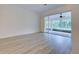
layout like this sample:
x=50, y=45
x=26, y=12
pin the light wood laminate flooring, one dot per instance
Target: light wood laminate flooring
x=37, y=43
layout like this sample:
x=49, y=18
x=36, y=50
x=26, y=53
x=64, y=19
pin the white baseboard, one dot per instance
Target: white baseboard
x=14, y=35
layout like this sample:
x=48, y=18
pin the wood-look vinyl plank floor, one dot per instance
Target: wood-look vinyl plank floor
x=37, y=43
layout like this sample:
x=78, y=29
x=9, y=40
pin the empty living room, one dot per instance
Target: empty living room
x=39, y=28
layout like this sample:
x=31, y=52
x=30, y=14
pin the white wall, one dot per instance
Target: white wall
x=75, y=23
x=17, y=21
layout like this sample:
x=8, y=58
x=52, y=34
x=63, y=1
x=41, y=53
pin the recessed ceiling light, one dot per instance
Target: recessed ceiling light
x=61, y=15
x=45, y=4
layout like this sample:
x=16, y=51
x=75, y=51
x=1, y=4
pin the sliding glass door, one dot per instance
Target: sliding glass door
x=58, y=22
x=46, y=24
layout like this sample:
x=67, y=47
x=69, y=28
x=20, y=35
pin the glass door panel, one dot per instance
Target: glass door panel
x=46, y=24
x=58, y=23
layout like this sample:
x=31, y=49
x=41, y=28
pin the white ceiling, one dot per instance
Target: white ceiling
x=39, y=7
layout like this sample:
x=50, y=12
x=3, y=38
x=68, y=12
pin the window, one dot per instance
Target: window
x=58, y=22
